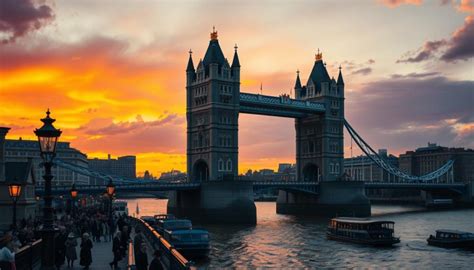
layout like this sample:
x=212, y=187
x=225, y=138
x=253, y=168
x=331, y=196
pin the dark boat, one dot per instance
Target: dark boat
x=362, y=231
x=452, y=239
x=192, y=243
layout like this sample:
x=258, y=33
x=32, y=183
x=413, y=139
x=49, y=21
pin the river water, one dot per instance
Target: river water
x=280, y=241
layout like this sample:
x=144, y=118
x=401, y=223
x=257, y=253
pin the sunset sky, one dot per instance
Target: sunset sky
x=113, y=71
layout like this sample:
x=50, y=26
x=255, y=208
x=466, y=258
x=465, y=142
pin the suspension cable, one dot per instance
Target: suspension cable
x=381, y=162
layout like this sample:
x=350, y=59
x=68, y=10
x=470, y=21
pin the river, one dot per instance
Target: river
x=280, y=241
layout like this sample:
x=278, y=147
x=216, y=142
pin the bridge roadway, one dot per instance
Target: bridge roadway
x=307, y=187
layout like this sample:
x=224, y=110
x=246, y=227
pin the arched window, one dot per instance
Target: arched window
x=229, y=165
x=220, y=165
x=337, y=167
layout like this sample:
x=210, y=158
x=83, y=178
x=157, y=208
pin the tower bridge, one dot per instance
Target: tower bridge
x=215, y=193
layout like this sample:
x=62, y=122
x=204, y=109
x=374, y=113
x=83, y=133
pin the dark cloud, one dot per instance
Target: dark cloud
x=362, y=71
x=415, y=75
x=425, y=53
x=18, y=17
x=458, y=47
x=406, y=112
x=461, y=45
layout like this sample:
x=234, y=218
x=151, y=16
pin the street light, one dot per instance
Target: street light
x=110, y=190
x=74, y=193
x=48, y=137
x=14, y=188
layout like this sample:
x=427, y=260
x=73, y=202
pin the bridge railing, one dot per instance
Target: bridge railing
x=29, y=256
x=171, y=258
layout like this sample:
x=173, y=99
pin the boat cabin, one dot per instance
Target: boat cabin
x=173, y=224
x=362, y=227
x=453, y=234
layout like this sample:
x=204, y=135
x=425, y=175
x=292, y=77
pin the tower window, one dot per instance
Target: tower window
x=220, y=165
x=229, y=165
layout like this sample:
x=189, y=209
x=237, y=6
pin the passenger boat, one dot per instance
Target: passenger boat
x=172, y=224
x=452, y=239
x=192, y=243
x=362, y=231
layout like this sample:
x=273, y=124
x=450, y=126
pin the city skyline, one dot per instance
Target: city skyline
x=121, y=91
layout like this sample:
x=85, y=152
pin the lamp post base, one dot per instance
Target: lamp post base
x=48, y=249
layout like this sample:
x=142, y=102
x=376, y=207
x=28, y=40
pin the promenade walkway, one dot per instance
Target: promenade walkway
x=101, y=257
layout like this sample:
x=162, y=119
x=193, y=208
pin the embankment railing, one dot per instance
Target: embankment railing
x=171, y=257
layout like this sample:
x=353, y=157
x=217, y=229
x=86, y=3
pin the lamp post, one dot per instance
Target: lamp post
x=48, y=137
x=74, y=193
x=14, y=188
x=110, y=190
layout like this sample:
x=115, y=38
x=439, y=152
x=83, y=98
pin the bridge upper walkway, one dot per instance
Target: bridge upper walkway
x=282, y=106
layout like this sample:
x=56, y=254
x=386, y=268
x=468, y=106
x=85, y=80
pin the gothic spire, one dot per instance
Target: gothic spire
x=298, y=82
x=340, y=81
x=235, y=61
x=190, y=67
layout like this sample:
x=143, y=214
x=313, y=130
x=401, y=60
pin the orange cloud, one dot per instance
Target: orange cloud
x=466, y=6
x=396, y=3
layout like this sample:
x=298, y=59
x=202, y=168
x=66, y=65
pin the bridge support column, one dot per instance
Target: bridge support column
x=336, y=198
x=216, y=202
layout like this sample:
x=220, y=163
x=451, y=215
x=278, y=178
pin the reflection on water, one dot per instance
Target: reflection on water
x=280, y=241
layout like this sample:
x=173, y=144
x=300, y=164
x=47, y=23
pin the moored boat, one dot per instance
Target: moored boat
x=362, y=231
x=192, y=243
x=452, y=239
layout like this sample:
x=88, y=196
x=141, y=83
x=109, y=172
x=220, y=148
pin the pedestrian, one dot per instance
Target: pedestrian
x=141, y=258
x=112, y=228
x=124, y=238
x=7, y=252
x=71, y=254
x=137, y=240
x=105, y=230
x=60, y=248
x=156, y=262
x=86, y=254
x=116, y=250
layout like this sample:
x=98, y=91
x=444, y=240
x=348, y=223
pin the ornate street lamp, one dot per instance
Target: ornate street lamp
x=110, y=190
x=48, y=137
x=74, y=193
x=14, y=188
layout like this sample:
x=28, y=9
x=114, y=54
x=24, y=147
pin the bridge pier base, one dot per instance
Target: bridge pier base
x=336, y=198
x=215, y=202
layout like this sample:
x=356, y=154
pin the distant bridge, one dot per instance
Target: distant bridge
x=305, y=187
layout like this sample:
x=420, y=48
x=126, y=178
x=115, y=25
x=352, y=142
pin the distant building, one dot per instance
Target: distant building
x=286, y=172
x=428, y=159
x=363, y=168
x=15, y=171
x=20, y=150
x=148, y=176
x=123, y=167
x=173, y=175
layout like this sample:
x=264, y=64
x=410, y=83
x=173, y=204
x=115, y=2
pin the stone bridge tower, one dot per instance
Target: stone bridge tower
x=212, y=92
x=319, y=138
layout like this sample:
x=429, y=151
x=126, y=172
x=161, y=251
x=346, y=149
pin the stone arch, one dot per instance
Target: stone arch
x=311, y=172
x=200, y=171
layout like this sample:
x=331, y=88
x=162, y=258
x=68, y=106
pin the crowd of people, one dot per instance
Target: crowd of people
x=87, y=226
